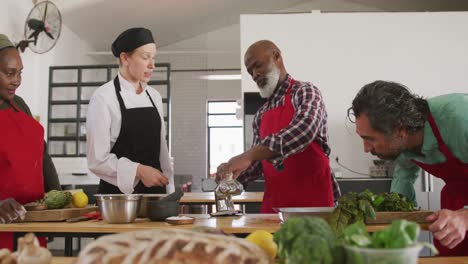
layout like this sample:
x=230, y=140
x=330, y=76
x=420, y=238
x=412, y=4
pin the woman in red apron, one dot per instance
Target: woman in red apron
x=21, y=146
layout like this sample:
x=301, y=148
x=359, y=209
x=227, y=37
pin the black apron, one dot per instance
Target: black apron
x=139, y=140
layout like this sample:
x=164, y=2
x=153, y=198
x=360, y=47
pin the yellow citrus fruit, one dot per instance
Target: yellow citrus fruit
x=264, y=240
x=80, y=200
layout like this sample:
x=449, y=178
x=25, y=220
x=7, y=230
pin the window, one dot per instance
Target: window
x=225, y=133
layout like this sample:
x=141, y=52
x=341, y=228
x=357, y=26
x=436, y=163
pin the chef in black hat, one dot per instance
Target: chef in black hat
x=126, y=139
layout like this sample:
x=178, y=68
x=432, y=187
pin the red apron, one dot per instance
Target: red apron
x=21, y=159
x=305, y=180
x=454, y=194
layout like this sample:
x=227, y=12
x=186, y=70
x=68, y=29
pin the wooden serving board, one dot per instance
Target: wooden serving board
x=388, y=217
x=57, y=214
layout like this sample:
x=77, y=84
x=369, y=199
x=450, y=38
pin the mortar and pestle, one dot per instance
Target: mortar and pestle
x=159, y=210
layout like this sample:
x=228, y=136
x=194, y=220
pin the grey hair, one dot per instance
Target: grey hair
x=390, y=106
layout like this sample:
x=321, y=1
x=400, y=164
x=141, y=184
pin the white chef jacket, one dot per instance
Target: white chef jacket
x=103, y=127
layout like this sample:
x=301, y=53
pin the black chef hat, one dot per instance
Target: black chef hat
x=131, y=39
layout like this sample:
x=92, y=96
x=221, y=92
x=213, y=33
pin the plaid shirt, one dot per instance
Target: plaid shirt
x=308, y=124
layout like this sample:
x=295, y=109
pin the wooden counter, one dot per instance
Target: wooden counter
x=443, y=260
x=63, y=260
x=244, y=224
x=433, y=260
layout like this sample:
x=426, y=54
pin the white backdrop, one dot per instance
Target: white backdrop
x=341, y=52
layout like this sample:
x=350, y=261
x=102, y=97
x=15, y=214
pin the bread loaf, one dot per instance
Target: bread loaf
x=171, y=246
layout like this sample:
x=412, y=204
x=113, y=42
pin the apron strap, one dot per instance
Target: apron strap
x=13, y=106
x=443, y=148
x=151, y=99
x=119, y=97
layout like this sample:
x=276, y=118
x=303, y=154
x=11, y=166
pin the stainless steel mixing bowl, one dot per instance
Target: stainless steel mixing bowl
x=118, y=208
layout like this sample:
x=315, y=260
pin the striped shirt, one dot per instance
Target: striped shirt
x=309, y=124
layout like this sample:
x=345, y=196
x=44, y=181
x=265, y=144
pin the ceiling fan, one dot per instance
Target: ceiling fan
x=42, y=28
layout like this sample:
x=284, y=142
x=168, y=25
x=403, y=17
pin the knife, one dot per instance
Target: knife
x=88, y=216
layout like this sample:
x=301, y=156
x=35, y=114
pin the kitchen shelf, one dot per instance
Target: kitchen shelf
x=71, y=87
x=68, y=102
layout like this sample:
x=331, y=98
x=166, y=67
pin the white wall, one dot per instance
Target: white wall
x=340, y=52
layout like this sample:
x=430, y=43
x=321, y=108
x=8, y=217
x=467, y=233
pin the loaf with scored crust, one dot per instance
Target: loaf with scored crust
x=171, y=246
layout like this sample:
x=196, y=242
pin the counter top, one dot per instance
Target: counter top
x=69, y=179
x=444, y=260
x=244, y=224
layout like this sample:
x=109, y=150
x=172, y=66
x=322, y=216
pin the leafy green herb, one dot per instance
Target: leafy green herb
x=400, y=234
x=393, y=202
x=353, y=207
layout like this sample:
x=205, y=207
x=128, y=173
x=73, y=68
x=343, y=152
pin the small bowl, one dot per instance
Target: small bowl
x=180, y=220
x=160, y=210
x=143, y=212
x=288, y=212
x=118, y=208
x=408, y=255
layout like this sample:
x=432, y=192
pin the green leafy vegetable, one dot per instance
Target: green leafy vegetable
x=400, y=234
x=354, y=207
x=394, y=202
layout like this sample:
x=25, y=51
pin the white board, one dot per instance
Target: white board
x=341, y=52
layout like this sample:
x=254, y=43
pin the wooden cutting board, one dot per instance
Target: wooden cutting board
x=388, y=217
x=57, y=214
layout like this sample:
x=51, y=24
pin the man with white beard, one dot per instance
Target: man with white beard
x=290, y=145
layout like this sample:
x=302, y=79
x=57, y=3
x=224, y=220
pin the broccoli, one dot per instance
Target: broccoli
x=308, y=249
x=305, y=240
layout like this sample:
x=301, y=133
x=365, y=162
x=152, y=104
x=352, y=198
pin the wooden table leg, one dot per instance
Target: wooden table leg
x=68, y=246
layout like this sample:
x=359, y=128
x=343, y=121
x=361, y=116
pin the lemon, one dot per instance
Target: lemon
x=80, y=200
x=264, y=240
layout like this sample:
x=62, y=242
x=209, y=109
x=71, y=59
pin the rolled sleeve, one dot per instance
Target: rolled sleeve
x=253, y=173
x=126, y=171
x=274, y=143
x=404, y=177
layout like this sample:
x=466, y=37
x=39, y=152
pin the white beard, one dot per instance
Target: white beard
x=272, y=81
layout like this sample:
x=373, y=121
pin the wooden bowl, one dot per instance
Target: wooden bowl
x=180, y=220
x=35, y=206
